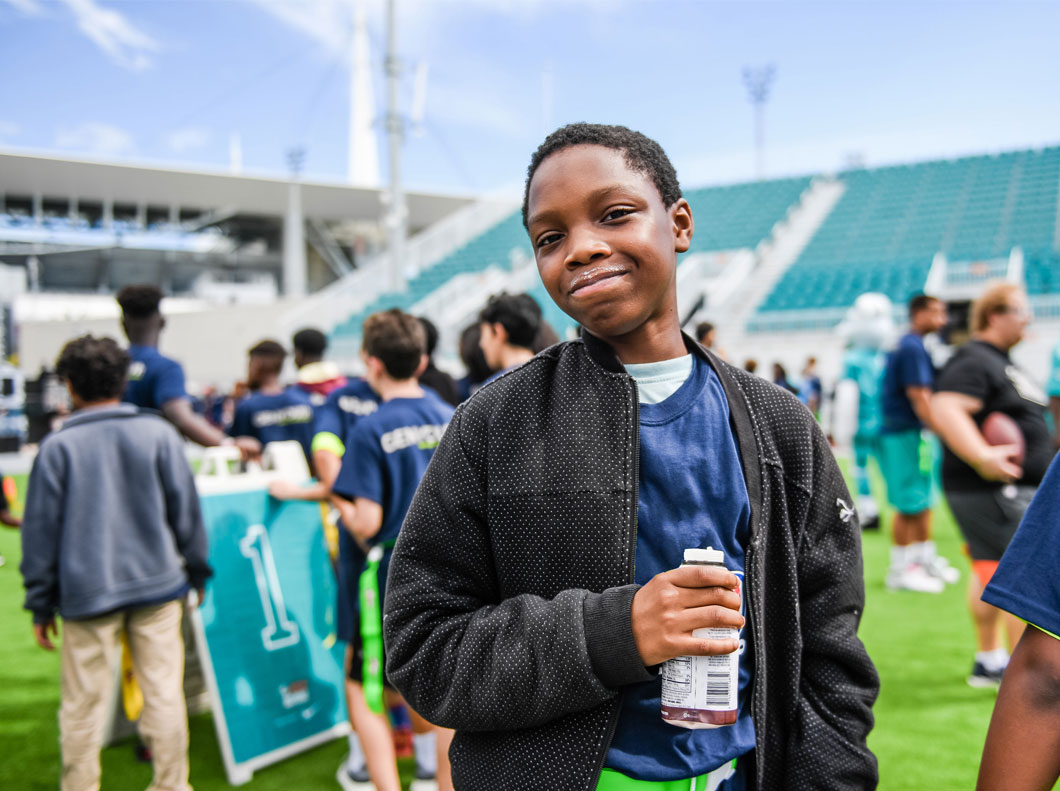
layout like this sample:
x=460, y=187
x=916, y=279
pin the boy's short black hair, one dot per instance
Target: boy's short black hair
x=268, y=348
x=642, y=154
x=95, y=367
x=703, y=328
x=519, y=314
x=920, y=302
x=397, y=339
x=139, y=301
x=431, y=332
x=310, y=341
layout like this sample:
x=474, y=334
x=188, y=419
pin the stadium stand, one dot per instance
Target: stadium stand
x=891, y=221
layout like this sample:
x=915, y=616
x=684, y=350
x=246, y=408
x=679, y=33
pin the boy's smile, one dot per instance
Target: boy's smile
x=606, y=248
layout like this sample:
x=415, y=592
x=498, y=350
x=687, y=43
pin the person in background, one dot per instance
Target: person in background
x=317, y=377
x=7, y=518
x=433, y=377
x=1022, y=750
x=272, y=413
x=509, y=324
x=750, y=365
x=780, y=378
x=386, y=455
x=478, y=370
x=157, y=382
x=706, y=334
x=809, y=389
x=113, y=540
x=987, y=488
x=546, y=336
x=906, y=456
x=1053, y=390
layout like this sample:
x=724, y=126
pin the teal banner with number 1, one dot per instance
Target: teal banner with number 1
x=267, y=628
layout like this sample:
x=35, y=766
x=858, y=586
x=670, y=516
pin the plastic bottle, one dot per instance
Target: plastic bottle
x=700, y=691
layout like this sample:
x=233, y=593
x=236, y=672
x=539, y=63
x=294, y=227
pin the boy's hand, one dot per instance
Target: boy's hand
x=283, y=490
x=672, y=604
x=249, y=448
x=40, y=633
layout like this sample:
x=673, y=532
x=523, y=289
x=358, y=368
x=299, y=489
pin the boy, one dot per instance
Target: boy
x=508, y=324
x=386, y=455
x=317, y=377
x=157, y=382
x=534, y=590
x=272, y=413
x=113, y=539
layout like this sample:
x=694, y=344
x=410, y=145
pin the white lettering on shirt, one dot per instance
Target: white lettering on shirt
x=288, y=415
x=357, y=406
x=423, y=437
x=136, y=371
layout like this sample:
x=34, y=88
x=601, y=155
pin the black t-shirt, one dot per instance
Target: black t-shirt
x=983, y=371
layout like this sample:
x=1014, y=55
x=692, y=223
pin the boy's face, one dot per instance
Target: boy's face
x=606, y=246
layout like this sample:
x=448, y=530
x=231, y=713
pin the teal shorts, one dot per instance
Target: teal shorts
x=906, y=463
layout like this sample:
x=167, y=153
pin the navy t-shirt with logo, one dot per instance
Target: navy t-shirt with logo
x=153, y=379
x=275, y=417
x=387, y=453
x=344, y=407
x=692, y=495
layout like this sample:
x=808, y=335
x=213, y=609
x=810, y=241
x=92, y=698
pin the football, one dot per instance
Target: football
x=999, y=429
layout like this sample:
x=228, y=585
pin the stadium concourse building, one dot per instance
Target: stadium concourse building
x=74, y=231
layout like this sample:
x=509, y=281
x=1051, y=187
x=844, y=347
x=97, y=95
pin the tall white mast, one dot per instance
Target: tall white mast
x=363, y=154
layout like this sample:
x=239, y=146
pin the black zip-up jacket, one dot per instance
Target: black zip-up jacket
x=509, y=600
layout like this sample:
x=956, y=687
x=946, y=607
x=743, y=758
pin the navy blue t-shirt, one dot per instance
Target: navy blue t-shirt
x=153, y=378
x=692, y=494
x=1026, y=582
x=275, y=418
x=387, y=453
x=908, y=365
x=344, y=407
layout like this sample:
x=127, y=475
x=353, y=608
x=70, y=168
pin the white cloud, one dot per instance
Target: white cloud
x=9, y=129
x=181, y=140
x=94, y=137
x=113, y=33
x=30, y=7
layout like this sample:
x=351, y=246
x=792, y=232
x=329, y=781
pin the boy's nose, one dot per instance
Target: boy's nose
x=585, y=247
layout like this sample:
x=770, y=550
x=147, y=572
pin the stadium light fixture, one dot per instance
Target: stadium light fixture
x=758, y=81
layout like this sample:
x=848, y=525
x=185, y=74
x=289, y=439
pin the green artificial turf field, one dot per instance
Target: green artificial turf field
x=929, y=733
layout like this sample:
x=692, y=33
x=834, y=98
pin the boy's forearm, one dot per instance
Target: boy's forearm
x=1022, y=751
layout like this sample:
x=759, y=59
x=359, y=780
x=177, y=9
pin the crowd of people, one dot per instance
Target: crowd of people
x=509, y=546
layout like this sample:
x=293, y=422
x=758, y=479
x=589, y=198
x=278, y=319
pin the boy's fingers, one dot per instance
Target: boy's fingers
x=697, y=646
x=702, y=577
x=712, y=617
x=702, y=597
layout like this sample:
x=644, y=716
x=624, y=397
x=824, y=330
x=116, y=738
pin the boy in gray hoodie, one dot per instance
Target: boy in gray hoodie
x=113, y=540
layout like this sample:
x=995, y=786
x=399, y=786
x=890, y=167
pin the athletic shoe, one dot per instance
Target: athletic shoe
x=350, y=780
x=424, y=784
x=940, y=568
x=981, y=677
x=914, y=578
x=870, y=523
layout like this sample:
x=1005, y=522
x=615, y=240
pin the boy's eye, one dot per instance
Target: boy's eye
x=614, y=214
x=547, y=239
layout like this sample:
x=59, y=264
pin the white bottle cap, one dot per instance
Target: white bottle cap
x=707, y=555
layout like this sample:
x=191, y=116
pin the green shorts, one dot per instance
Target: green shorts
x=906, y=471
x=610, y=780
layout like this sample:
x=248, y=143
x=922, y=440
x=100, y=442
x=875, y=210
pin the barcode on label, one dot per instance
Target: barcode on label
x=717, y=689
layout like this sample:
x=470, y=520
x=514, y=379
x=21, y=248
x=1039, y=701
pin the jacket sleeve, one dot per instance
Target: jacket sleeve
x=183, y=512
x=42, y=530
x=839, y=682
x=461, y=655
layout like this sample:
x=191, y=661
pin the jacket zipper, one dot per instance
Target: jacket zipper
x=613, y=724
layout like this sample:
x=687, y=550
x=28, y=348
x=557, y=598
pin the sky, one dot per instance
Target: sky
x=172, y=81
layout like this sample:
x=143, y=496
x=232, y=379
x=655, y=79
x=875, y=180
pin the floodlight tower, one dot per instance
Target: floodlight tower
x=758, y=82
x=396, y=219
x=294, y=264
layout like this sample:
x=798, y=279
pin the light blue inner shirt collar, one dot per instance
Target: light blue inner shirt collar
x=658, y=381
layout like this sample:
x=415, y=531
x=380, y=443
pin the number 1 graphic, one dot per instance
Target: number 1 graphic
x=279, y=632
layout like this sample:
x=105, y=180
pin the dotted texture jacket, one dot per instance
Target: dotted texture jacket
x=508, y=605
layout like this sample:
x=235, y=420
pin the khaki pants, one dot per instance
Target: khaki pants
x=90, y=651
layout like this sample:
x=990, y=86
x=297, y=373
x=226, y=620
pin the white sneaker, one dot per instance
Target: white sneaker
x=940, y=568
x=424, y=785
x=914, y=578
x=353, y=781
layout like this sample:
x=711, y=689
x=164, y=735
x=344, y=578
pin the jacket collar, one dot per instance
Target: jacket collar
x=93, y=414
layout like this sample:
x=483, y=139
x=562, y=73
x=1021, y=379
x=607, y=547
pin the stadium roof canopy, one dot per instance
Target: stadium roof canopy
x=26, y=174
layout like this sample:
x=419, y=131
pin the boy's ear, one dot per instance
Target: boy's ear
x=683, y=224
